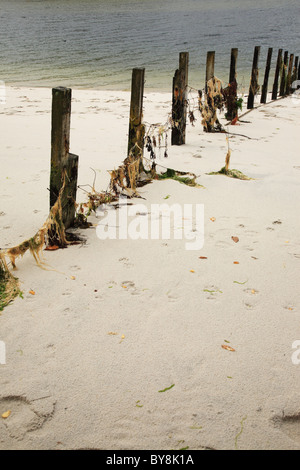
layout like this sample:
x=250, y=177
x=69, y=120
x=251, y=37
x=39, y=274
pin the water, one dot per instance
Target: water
x=96, y=43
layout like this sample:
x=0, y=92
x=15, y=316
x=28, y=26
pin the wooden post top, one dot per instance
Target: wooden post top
x=60, y=131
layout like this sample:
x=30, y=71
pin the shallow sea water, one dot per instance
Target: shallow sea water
x=96, y=43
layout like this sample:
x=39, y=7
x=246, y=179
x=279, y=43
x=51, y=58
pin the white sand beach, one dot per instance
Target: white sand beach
x=113, y=323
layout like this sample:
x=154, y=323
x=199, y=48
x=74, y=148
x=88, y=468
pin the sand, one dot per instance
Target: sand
x=117, y=321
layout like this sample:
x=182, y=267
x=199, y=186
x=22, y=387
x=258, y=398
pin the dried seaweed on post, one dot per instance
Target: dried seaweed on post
x=9, y=285
x=232, y=102
x=156, y=137
x=123, y=181
x=212, y=102
x=42, y=238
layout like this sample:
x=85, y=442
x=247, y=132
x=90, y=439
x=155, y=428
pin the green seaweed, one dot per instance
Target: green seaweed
x=237, y=282
x=172, y=174
x=231, y=174
x=213, y=291
x=239, y=433
x=137, y=404
x=9, y=289
x=165, y=389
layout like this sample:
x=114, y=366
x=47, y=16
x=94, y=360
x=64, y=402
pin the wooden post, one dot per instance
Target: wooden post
x=264, y=90
x=295, y=68
x=179, y=100
x=283, y=74
x=64, y=166
x=136, y=128
x=289, y=75
x=210, y=67
x=277, y=73
x=61, y=117
x=233, y=61
x=230, y=92
x=254, y=78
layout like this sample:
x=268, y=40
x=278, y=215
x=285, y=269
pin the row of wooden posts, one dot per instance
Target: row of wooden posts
x=286, y=72
x=64, y=163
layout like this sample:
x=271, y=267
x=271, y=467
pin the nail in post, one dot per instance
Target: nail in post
x=179, y=100
x=254, y=78
x=277, y=72
x=136, y=128
x=264, y=90
x=283, y=74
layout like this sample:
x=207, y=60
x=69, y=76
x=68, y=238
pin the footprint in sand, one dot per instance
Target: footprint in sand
x=130, y=286
x=25, y=416
x=125, y=262
x=289, y=425
x=67, y=292
x=99, y=297
x=172, y=297
x=223, y=244
x=75, y=268
x=251, y=291
x=50, y=350
x=250, y=304
x=251, y=233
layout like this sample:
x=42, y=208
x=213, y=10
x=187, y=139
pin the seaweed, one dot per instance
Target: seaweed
x=9, y=285
x=167, y=388
x=177, y=176
x=231, y=174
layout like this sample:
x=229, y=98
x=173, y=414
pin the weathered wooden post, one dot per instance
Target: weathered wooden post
x=136, y=127
x=295, y=68
x=230, y=92
x=64, y=165
x=283, y=74
x=277, y=73
x=264, y=89
x=233, y=61
x=210, y=67
x=295, y=85
x=289, y=75
x=179, y=100
x=254, y=78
